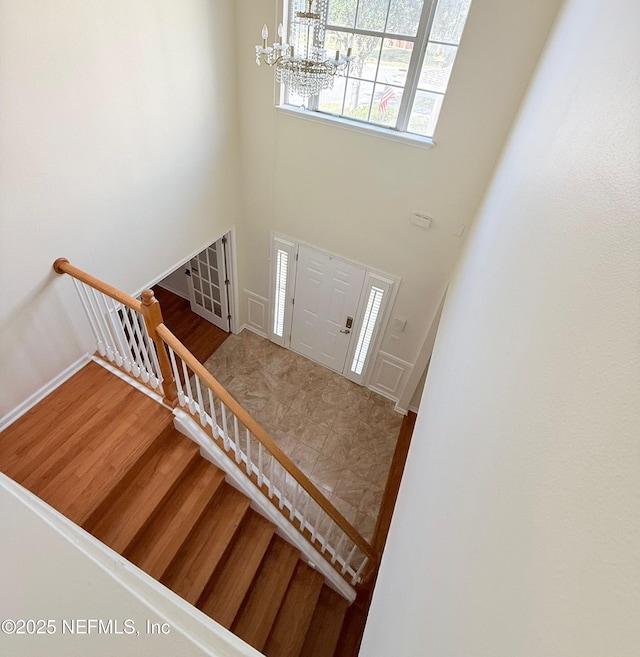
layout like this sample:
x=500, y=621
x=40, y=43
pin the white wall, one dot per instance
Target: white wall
x=54, y=571
x=177, y=282
x=118, y=143
x=353, y=194
x=518, y=520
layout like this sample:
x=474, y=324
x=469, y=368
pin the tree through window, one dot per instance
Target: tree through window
x=404, y=52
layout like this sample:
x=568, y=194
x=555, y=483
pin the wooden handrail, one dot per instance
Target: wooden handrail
x=149, y=308
x=260, y=434
x=63, y=266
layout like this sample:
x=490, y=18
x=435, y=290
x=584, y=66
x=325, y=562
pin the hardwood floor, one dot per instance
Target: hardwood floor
x=198, y=335
x=58, y=449
x=109, y=458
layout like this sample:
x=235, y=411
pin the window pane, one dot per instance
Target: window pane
x=366, y=50
x=342, y=12
x=358, y=99
x=404, y=17
x=372, y=14
x=334, y=40
x=331, y=99
x=424, y=114
x=436, y=68
x=449, y=20
x=386, y=104
x=294, y=99
x=394, y=62
x=366, y=332
x=282, y=262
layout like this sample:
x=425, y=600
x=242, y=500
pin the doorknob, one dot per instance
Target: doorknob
x=345, y=331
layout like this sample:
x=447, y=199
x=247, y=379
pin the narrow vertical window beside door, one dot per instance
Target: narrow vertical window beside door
x=366, y=331
x=282, y=275
x=282, y=265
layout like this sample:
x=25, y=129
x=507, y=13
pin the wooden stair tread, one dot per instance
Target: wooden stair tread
x=197, y=559
x=326, y=624
x=160, y=539
x=227, y=588
x=79, y=487
x=259, y=609
x=289, y=630
x=123, y=513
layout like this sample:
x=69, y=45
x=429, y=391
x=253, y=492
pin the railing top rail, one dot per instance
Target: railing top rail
x=243, y=416
x=63, y=266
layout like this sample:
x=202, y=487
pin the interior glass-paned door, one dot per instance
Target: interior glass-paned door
x=207, y=285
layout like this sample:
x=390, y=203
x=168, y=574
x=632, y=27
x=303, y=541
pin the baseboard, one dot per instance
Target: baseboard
x=253, y=329
x=398, y=409
x=414, y=409
x=40, y=394
x=174, y=291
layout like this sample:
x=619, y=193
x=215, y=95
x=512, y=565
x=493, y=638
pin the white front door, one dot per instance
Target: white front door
x=207, y=277
x=326, y=299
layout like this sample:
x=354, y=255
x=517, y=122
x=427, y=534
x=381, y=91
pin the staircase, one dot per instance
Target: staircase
x=108, y=457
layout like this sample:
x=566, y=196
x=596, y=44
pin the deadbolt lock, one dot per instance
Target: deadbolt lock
x=349, y=323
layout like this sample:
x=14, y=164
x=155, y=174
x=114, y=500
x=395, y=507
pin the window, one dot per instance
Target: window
x=404, y=52
x=366, y=331
x=283, y=255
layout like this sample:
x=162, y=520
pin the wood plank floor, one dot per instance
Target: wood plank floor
x=198, y=335
x=57, y=450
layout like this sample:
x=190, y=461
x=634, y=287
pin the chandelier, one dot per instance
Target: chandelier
x=303, y=64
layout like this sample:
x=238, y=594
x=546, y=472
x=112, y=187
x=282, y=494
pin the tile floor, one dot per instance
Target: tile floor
x=341, y=435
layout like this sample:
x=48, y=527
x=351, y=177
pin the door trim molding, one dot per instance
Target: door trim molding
x=234, y=299
x=371, y=273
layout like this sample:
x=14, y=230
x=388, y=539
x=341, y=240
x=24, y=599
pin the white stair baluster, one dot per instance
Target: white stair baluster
x=87, y=309
x=347, y=561
x=203, y=416
x=139, y=368
x=187, y=385
x=271, y=469
x=109, y=328
x=114, y=317
x=283, y=486
x=93, y=298
x=213, y=414
x=336, y=550
x=236, y=438
x=137, y=319
x=356, y=578
x=224, y=426
x=248, y=453
x=260, y=473
x=176, y=376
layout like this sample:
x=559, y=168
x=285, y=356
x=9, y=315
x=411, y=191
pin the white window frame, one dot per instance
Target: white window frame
x=421, y=42
x=373, y=278
x=389, y=287
x=280, y=244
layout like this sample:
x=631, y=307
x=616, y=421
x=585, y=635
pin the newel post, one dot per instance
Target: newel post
x=153, y=318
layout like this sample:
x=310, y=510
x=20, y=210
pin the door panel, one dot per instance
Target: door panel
x=207, y=290
x=327, y=292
